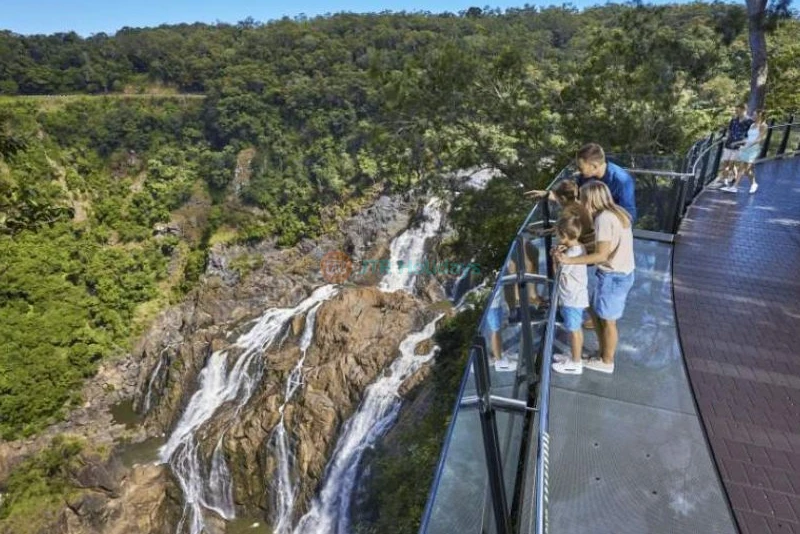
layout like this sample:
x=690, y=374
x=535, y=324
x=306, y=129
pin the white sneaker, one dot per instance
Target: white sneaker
x=753, y=188
x=557, y=358
x=505, y=365
x=560, y=358
x=568, y=367
x=596, y=364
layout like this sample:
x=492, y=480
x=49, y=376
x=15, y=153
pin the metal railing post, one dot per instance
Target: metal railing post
x=525, y=315
x=548, y=238
x=680, y=206
x=704, y=166
x=717, y=158
x=491, y=441
x=542, y=482
x=765, y=148
x=785, y=140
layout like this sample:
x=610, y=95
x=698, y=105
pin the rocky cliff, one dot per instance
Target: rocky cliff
x=356, y=336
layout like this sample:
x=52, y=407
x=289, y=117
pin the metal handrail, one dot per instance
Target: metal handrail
x=666, y=174
x=711, y=146
x=783, y=148
x=543, y=441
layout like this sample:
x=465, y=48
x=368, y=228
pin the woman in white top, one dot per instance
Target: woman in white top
x=613, y=256
x=750, y=152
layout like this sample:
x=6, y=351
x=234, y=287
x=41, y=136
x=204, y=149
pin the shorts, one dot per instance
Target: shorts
x=750, y=154
x=571, y=317
x=730, y=155
x=610, y=294
x=494, y=318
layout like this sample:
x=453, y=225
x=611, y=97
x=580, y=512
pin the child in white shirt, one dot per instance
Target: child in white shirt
x=573, y=295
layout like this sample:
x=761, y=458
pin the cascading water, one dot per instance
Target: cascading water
x=330, y=511
x=220, y=385
x=285, y=485
x=154, y=376
x=407, y=250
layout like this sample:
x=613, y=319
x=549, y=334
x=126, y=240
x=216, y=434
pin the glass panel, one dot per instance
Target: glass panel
x=775, y=141
x=649, y=161
x=794, y=140
x=657, y=199
x=460, y=502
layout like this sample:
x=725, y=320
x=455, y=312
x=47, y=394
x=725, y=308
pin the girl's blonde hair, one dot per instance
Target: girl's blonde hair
x=596, y=197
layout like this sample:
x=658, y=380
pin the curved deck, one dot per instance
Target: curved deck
x=737, y=300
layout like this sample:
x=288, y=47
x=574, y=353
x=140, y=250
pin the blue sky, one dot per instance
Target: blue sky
x=93, y=16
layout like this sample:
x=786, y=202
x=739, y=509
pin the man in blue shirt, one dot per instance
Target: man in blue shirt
x=592, y=165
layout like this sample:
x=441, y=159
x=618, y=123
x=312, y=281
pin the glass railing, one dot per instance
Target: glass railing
x=782, y=140
x=479, y=482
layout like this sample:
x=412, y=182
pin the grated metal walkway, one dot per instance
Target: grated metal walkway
x=737, y=299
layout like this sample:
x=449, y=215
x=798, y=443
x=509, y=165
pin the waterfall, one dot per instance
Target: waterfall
x=219, y=384
x=285, y=486
x=407, y=250
x=162, y=359
x=330, y=511
x=463, y=303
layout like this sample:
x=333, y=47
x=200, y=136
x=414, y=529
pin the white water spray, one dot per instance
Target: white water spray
x=285, y=484
x=330, y=511
x=407, y=250
x=220, y=384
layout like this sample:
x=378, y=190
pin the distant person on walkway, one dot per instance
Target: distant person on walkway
x=573, y=294
x=737, y=133
x=613, y=254
x=592, y=165
x=750, y=152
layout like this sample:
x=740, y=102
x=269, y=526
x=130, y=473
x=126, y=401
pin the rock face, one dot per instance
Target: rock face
x=357, y=335
x=139, y=504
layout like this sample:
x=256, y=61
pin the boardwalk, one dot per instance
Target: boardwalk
x=737, y=298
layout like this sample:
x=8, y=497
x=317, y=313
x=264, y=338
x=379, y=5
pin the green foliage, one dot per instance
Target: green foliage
x=65, y=302
x=783, y=96
x=37, y=488
x=501, y=208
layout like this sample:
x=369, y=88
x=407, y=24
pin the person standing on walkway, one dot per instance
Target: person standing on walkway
x=613, y=254
x=573, y=294
x=750, y=152
x=737, y=132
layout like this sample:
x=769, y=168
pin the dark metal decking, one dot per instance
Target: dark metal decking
x=737, y=298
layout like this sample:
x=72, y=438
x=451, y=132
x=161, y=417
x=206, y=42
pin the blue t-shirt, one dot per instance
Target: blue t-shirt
x=622, y=186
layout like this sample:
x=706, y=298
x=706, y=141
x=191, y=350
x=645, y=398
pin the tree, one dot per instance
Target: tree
x=756, y=14
x=759, y=20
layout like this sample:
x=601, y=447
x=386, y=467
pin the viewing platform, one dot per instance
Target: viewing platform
x=698, y=428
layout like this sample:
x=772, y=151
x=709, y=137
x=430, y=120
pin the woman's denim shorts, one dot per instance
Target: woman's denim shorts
x=610, y=293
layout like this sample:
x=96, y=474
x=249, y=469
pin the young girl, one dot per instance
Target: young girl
x=573, y=294
x=750, y=152
x=613, y=255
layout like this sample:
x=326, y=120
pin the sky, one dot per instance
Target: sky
x=87, y=17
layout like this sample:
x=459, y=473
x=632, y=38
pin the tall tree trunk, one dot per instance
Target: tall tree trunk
x=756, y=13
